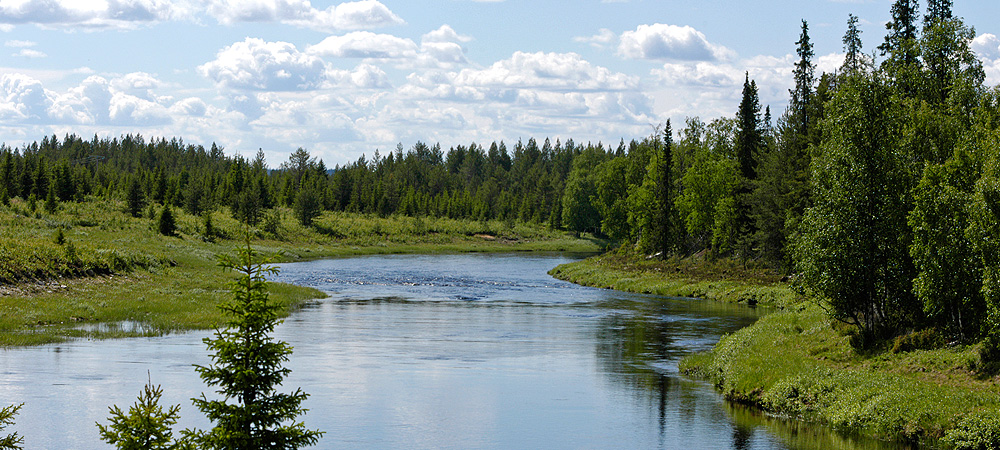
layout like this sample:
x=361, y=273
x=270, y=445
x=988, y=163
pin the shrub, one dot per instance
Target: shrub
x=166, y=224
x=921, y=340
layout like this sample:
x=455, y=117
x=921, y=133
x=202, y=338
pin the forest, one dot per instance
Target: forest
x=877, y=191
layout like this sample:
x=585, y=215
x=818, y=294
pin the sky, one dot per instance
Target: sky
x=344, y=79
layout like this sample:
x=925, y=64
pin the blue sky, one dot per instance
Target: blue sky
x=343, y=79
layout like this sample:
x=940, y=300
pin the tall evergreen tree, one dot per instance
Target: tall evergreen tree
x=902, y=64
x=248, y=367
x=854, y=57
x=749, y=136
x=805, y=75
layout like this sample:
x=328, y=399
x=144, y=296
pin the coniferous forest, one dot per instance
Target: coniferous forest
x=877, y=190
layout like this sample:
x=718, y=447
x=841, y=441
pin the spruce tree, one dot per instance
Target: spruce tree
x=248, y=367
x=50, y=200
x=902, y=64
x=135, y=198
x=854, y=58
x=146, y=426
x=10, y=441
x=166, y=223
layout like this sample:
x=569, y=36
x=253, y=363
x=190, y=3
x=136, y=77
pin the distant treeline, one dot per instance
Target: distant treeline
x=878, y=187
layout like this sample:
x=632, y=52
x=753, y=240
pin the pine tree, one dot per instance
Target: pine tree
x=854, y=58
x=804, y=75
x=10, y=441
x=166, y=223
x=248, y=368
x=146, y=426
x=135, y=198
x=50, y=200
x=902, y=64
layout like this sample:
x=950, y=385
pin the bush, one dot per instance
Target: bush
x=166, y=224
x=980, y=431
x=921, y=340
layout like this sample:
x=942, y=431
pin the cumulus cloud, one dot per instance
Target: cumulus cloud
x=557, y=71
x=444, y=33
x=255, y=64
x=19, y=44
x=365, y=44
x=93, y=14
x=672, y=42
x=23, y=99
x=345, y=16
x=987, y=46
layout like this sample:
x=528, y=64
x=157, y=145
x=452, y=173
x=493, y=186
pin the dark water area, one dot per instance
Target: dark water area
x=442, y=352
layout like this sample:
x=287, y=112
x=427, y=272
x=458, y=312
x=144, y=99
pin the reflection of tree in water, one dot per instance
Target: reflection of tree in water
x=638, y=347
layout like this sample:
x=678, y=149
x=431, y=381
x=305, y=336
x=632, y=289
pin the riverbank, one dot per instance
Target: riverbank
x=90, y=263
x=692, y=277
x=798, y=363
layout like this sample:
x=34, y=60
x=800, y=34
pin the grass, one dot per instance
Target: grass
x=114, y=269
x=797, y=363
x=696, y=277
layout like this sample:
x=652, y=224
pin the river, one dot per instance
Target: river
x=470, y=351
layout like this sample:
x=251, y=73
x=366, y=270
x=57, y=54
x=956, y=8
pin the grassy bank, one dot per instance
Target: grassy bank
x=692, y=277
x=798, y=363
x=89, y=263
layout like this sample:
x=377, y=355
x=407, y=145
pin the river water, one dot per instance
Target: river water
x=466, y=351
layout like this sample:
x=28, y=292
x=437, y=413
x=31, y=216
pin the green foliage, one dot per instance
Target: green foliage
x=248, y=368
x=166, y=224
x=135, y=197
x=50, y=200
x=706, y=205
x=307, y=206
x=11, y=441
x=949, y=277
x=853, y=247
x=146, y=426
x=927, y=339
x=977, y=431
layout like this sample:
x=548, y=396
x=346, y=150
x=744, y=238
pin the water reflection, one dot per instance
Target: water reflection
x=639, y=347
x=439, y=352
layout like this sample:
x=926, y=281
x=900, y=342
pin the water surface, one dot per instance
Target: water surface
x=441, y=352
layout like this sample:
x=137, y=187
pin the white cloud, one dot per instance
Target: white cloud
x=345, y=16
x=444, y=33
x=92, y=14
x=29, y=53
x=554, y=71
x=602, y=39
x=19, y=44
x=23, y=99
x=365, y=44
x=268, y=66
x=987, y=45
x=661, y=41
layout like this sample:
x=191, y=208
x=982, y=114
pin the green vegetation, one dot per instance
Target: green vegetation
x=723, y=280
x=248, y=367
x=115, y=275
x=10, y=441
x=146, y=426
x=795, y=363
